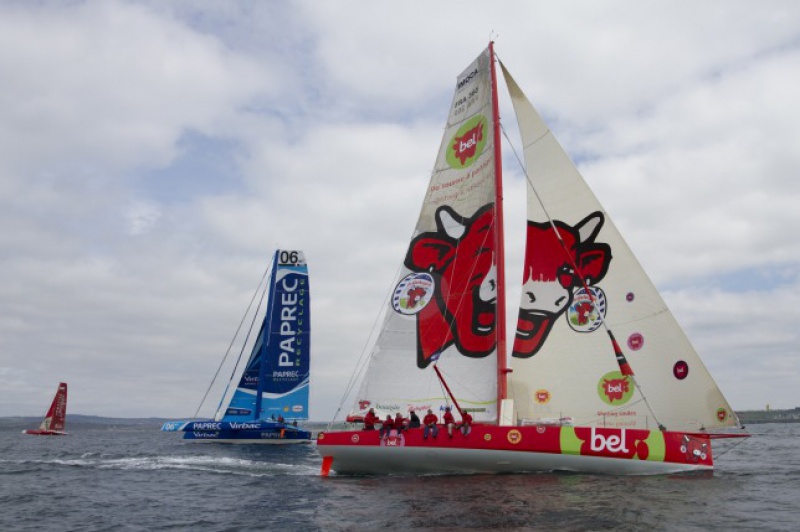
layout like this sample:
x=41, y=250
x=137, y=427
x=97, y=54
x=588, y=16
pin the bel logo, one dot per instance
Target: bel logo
x=611, y=444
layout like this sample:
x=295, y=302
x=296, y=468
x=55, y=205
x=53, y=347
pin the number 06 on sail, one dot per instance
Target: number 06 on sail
x=568, y=397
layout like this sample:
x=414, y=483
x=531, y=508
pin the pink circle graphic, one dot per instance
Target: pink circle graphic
x=635, y=341
x=680, y=370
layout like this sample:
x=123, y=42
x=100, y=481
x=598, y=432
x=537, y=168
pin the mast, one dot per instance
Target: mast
x=265, y=341
x=502, y=370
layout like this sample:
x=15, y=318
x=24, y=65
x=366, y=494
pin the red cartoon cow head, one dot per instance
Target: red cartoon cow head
x=460, y=257
x=553, y=271
x=414, y=296
x=584, y=311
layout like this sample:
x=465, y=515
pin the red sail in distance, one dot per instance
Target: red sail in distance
x=54, y=421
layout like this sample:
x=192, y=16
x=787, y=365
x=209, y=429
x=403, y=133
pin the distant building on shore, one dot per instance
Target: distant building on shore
x=769, y=416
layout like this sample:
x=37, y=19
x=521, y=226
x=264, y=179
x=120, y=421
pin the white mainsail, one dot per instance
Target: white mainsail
x=564, y=364
x=458, y=212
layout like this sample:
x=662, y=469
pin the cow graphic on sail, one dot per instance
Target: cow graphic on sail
x=556, y=267
x=465, y=294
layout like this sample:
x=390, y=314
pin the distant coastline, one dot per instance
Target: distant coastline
x=769, y=416
x=745, y=416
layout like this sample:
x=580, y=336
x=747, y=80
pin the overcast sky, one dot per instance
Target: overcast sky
x=154, y=154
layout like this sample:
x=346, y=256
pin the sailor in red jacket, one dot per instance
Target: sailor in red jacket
x=371, y=419
x=430, y=420
x=466, y=423
x=399, y=422
x=386, y=427
x=449, y=421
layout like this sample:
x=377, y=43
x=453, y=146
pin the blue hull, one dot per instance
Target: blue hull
x=250, y=436
x=235, y=432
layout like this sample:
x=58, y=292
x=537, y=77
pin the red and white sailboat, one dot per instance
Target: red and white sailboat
x=568, y=397
x=53, y=423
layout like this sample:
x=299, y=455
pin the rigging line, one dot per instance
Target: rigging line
x=464, y=388
x=440, y=380
x=729, y=449
x=241, y=351
x=361, y=363
x=447, y=388
x=265, y=342
x=461, y=297
x=466, y=293
x=617, y=350
x=246, y=338
x=233, y=340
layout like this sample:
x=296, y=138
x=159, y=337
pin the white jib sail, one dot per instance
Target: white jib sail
x=563, y=361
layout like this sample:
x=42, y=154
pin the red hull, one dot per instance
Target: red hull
x=37, y=432
x=490, y=448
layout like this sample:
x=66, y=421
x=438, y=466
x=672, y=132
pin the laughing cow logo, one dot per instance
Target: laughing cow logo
x=465, y=287
x=551, y=281
x=555, y=272
x=583, y=313
x=694, y=449
x=414, y=296
x=413, y=293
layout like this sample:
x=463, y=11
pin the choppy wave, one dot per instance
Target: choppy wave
x=209, y=463
x=98, y=479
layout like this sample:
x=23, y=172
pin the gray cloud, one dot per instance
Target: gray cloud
x=152, y=156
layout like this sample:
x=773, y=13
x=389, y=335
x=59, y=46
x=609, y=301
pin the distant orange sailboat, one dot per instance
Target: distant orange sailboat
x=53, y=424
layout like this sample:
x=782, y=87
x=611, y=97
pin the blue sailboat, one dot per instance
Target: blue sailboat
x=272, y=393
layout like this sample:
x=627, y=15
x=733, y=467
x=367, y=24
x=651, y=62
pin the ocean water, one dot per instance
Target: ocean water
x=127, y=476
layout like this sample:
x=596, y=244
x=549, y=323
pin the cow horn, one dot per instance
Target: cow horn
x=454, y=228
x=589, y=227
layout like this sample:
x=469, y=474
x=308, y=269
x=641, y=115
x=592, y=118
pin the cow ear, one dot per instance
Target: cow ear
x=429, y=254
x=593, y=262
x=589, y=227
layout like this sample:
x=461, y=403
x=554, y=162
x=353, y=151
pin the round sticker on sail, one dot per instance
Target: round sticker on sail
x=413, y=293
x=468, y=143
x=614, y=388
x=584, y=315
